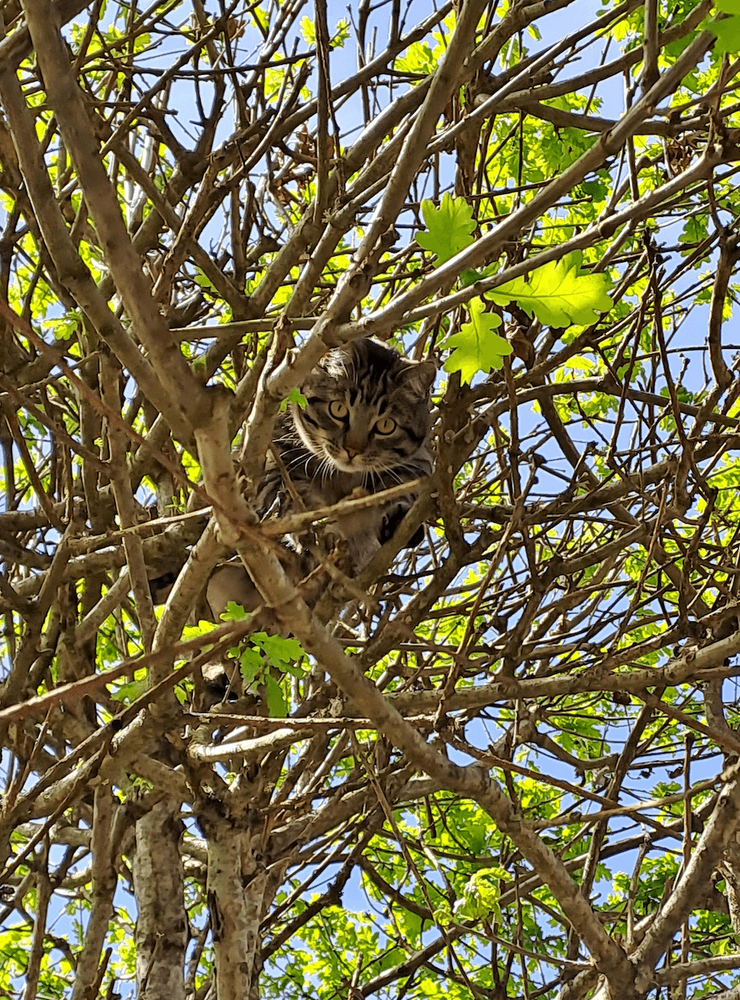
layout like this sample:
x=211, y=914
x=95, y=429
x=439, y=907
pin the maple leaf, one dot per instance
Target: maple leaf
x=449, y=227
x=557, y=294
x=476, y=347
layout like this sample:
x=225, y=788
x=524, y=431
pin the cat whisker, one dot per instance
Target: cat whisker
x=325, y=469
x=300, y=461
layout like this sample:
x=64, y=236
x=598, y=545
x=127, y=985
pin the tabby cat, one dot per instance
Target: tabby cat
x=365, y=425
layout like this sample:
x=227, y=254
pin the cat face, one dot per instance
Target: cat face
x=368, y=408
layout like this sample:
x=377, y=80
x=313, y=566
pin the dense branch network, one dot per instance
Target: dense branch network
x=507, y=762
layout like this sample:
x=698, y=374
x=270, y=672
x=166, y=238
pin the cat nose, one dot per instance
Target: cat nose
x=354, y=445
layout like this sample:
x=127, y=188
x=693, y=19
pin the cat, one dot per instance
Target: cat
x=363, y=425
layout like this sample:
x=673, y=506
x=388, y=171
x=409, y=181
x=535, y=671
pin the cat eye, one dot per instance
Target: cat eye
x=385, y=425
x=338, y=410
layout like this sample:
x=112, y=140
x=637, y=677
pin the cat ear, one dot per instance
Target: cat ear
x=325, y=362
x=418, y=376
x=335, y=361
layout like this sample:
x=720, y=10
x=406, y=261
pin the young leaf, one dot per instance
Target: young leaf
x=557, y=294
x=449, y=227
x=341, y=34
x=234, y=612
x=279, y=651
x=251, y=665
x=481, y=894
x=195, y=631
x=294, y=396
x=308, y=30
x=476, y=347
x=443, y=914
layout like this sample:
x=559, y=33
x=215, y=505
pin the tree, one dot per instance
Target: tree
x=501, y=762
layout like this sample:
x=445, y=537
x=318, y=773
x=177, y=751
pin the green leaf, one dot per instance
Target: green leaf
x=476, y=347
x=195, y=631
x=443, y=915
x=341, y=34
x=449, y=227
x=557, y=294
x=481, y=894
x=728, y=34
x=469, y=277
x=294, y=396
x=277, y=705
x=419, y=59
x=279, y=651
x=130, y=691
x=234, y=613
x=251, y=664
x=308, y=30
x=694, y=229
x=728, y=6
x=204, y=282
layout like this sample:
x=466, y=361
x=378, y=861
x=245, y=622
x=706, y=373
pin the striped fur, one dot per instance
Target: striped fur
x=366, y=426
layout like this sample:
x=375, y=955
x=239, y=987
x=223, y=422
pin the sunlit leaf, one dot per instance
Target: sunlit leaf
x=308, y=30
x=476, y=347
x=449, y=227
x=557, y=294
